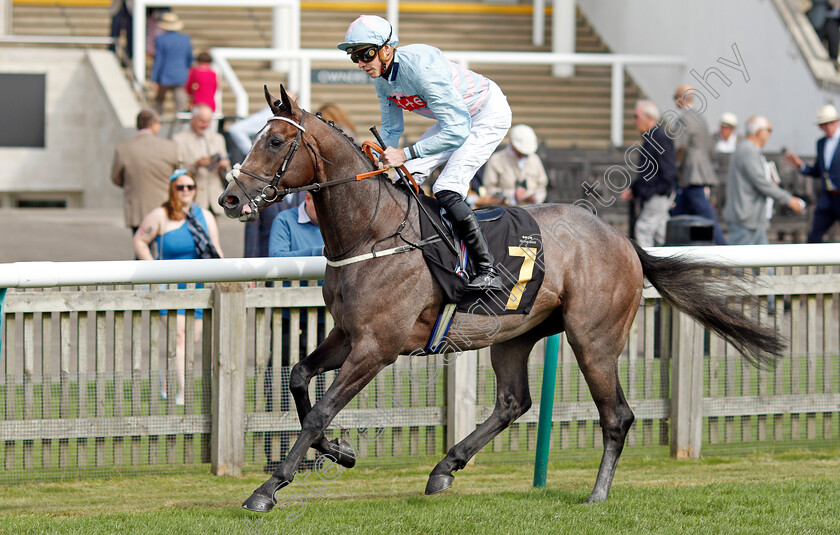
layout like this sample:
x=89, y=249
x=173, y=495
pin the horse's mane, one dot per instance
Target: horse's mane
x=345, y=136
x=361, y=153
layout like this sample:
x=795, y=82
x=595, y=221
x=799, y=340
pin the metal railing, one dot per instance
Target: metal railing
x=301, y=60
x=285, y=21
x=72, y=40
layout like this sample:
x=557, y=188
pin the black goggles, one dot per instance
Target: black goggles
x=365, y=55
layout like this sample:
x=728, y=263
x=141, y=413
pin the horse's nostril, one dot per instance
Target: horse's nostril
x=231, y=201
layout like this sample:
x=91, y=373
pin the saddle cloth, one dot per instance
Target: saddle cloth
x=515, y=242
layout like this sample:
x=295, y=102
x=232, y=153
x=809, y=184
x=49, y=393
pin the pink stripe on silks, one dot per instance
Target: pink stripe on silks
x=470, y=92
x=455, y=72
x=484, y=94
x=353, y=25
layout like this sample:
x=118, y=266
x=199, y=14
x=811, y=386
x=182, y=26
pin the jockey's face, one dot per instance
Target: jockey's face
x=368, y=59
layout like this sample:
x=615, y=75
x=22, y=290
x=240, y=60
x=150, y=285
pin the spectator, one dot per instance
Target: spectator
x=471, y=113
x=826, y=169
x=142, y=166
x=726, y=139
x=122, y=19
x=825, y=18
x=293, y=233
x=694, y=158
x=202, y=151
x=174, y=225
x=296, y=232
x=750, y=188
x=153, y=29
x=258, y=233
x=202, y=82
x=516, y=174
x=335, y=113
x=656, y=178
x=173, y=57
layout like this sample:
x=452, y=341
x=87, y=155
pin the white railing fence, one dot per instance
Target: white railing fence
x=81, y=370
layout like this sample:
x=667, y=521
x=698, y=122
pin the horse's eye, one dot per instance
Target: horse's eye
x=275, y=142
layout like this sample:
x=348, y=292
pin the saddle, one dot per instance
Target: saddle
x=515, y=241
x=516, y=244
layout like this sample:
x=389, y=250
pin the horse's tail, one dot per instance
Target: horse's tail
x=691, y=286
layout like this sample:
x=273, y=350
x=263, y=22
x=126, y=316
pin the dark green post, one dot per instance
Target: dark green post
x=2, y=315
x=552, y=348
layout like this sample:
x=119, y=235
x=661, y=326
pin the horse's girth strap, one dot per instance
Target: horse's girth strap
x=369, y=147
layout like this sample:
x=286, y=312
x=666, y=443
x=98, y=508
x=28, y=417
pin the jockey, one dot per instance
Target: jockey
x=471, y=113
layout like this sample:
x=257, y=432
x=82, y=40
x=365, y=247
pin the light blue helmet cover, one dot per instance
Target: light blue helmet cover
x=368, y=30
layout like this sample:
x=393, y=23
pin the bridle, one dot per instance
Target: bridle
x=271, y=192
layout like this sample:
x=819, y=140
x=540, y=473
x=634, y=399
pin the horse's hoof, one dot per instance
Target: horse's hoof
x=438, y=483
x=343, y=453
x=259, y=503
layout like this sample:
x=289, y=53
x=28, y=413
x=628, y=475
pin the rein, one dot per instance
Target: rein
x=271, y=192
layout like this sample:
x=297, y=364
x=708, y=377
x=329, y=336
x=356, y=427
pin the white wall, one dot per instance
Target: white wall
x=780, y=84
x=89, y=109
x=5, y=17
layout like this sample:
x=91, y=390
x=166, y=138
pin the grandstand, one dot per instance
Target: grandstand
x=570, y=115
x=564, y=112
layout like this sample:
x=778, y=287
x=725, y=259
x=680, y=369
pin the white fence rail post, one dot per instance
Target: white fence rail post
x=686, y=387
x=227, y=429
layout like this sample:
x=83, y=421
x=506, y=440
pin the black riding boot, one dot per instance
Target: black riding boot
x=466, y=224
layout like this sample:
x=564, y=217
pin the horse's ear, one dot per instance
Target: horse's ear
x=288, y=103
x=272, y=102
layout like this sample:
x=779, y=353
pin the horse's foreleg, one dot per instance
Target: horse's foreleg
x=363, y=363
x=329, y=355
x=513, y=399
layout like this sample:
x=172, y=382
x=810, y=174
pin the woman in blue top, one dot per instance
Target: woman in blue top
x=471, y=113
x=168, y=225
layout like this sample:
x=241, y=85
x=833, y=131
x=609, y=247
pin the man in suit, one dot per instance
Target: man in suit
x=516, y=174
x=142, y=166
x=694, y=157
x=173, y=57
x=203, y=154
x=656, y=179
x=826, y=169
x=749, y=188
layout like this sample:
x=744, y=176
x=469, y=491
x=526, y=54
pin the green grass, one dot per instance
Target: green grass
x=795, y=492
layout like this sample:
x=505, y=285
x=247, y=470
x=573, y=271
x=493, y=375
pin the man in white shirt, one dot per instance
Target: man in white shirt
x=726, y=139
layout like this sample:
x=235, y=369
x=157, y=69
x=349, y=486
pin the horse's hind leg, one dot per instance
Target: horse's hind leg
x=510, y=364
x=597, y=355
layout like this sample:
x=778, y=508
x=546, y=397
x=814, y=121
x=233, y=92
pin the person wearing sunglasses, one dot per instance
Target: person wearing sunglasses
x=168, y=226
x=167, y=223
x=471, y=115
